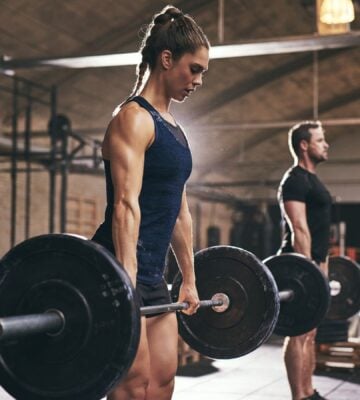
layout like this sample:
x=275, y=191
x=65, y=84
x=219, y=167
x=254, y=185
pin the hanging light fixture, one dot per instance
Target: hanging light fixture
x=337, y=12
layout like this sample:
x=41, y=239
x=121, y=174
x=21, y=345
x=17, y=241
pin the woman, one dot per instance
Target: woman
x=147, y=162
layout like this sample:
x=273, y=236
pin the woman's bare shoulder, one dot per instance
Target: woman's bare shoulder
x=131, y=126
x=132, y=119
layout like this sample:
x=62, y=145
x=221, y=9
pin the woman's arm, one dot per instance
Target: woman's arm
x=129, y=134
x=182, y=245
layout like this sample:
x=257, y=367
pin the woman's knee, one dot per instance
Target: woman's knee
x=134, y=387
x=137, y=380
x=165, y=377
x=161, y=387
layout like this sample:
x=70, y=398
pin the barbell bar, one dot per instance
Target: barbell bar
x=286, y=295
x=53, y=322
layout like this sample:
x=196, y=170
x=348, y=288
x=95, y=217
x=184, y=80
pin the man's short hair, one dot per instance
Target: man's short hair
x=301, y=132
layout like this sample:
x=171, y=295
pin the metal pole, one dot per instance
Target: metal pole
x=64, y=180
x=52, y=166
x=221, y=21
x=316, y=86
x=14, y=163
x=27, y=163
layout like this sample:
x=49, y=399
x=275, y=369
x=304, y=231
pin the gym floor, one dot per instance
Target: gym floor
x=259, y=375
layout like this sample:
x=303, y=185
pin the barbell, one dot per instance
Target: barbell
x=70, y=319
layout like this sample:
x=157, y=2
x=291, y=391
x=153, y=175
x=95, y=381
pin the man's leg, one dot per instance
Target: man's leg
x=162, y=334
x=136, y=382
x=294, y=362
x=309, y=362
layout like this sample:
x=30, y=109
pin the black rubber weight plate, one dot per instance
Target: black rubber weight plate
x=84, y=281
x=347, y=302
x=312, y=297
x=253, y=310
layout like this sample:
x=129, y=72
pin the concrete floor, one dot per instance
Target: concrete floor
x=261, y=375
x=257, y=376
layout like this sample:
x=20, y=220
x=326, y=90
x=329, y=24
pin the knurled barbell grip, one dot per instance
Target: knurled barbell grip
x=15, y=327
x=163, y=308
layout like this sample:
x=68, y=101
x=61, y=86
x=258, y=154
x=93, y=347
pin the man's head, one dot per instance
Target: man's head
x=307, y=140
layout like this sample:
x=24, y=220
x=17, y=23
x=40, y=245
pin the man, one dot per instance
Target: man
x=306, y=212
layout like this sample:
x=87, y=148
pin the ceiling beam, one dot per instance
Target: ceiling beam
x=252, y=125
x=243, y=87
x=251, y=142
x=271, y=183
x=238, y=126
x=284, y=45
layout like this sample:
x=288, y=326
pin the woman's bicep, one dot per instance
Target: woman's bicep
x=128, y=139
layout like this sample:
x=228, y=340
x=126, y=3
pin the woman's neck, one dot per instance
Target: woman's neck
x=154, y=92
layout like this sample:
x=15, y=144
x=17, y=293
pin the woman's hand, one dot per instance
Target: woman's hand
x=188, y=293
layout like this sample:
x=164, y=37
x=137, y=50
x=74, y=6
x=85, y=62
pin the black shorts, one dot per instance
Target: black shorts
x=148, y=295
x=153, y=295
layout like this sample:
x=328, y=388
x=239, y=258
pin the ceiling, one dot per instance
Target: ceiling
x=237, y=122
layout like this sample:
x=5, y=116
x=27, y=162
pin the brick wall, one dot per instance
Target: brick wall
x=91, y=187
x=86, y=187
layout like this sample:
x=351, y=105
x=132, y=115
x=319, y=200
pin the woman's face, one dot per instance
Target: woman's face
x=185, y=74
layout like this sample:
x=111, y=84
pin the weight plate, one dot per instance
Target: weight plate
x=347, y=302
x=100, y=339
x=251, y=315
x=311, y=301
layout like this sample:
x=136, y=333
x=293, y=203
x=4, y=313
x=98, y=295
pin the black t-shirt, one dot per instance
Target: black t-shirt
x=301, y=185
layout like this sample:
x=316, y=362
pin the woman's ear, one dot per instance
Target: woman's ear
x=166, y=59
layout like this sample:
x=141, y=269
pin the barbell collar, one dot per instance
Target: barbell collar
x=51, y=322
x=286, y=295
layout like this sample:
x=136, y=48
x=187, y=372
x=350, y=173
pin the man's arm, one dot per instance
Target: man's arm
x=128, y=136
x=182, y=245
x=324, y=266
x=295, y=213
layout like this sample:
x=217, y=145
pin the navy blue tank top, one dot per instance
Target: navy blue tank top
x=167, y=166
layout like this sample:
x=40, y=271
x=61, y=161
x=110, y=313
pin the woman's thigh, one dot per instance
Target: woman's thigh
x=162, y=336
x=140, y=368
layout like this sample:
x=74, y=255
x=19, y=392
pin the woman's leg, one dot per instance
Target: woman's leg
x=136, y=382
x=162, y=334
